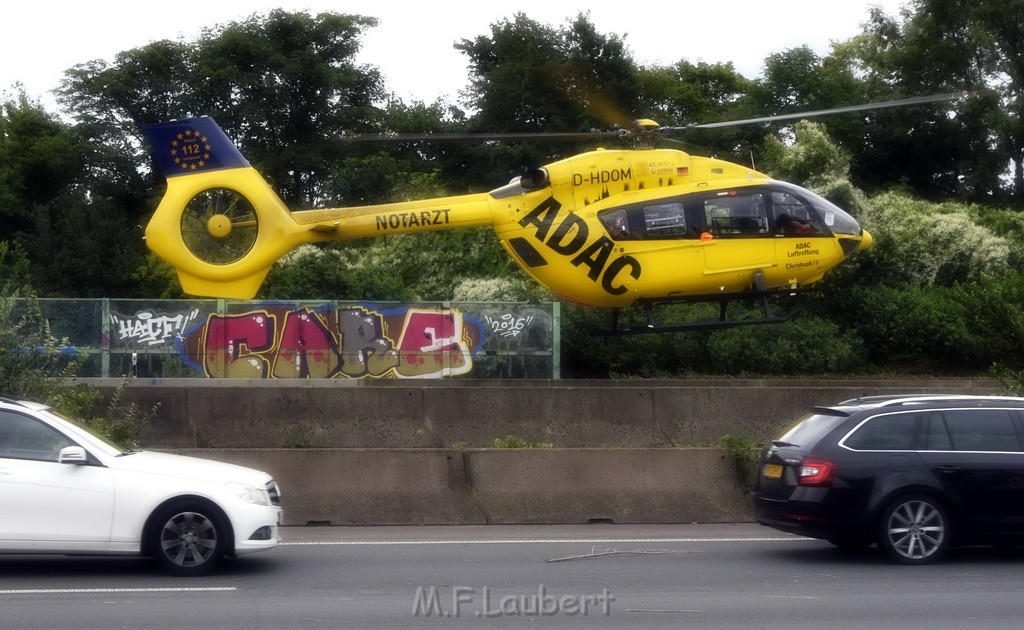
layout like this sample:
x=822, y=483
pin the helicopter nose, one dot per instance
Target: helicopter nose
x=865, y=241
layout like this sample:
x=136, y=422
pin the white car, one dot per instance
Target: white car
x=67, y=491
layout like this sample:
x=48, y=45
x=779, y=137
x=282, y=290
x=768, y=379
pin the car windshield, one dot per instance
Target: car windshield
x=809, y=430
x=81, y=430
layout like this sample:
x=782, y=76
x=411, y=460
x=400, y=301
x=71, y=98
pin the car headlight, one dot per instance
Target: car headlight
x=248, y=493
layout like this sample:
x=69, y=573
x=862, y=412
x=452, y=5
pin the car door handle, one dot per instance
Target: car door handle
x=948, y=468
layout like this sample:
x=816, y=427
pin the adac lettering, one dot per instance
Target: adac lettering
x=602, y=177
x=401, y=220
x=596, y=256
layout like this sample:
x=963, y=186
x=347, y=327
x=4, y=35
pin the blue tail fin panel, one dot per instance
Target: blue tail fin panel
x=192, y=145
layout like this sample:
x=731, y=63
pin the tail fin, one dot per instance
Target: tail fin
x=192, y=145
x=220, y=225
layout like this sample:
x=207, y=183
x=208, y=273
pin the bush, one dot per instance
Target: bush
x=34, y=365
x=994, y=315
x=32, y=361
x=802, y=346
x=919, y=329
x=120, y=422
x=922, y=243
x=343, y=272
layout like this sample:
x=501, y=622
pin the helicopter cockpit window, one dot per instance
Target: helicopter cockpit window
x=793, y=217
x=834, y=218
x=617, y=223
x=666, y=220
x=732, y=214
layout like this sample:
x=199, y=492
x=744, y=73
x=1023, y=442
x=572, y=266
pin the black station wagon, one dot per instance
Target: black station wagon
x=914, y=474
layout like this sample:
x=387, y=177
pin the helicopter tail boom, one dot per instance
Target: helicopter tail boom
x=222, y=226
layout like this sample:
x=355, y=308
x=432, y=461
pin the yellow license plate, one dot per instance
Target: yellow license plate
x=772, y=471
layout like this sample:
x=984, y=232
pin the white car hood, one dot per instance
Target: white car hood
x=185, y=467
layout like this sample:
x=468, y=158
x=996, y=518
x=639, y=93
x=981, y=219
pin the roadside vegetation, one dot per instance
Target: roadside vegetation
x=941, y=187
x=35, y=365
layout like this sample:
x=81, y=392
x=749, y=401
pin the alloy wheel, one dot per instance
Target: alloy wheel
x=189, y=540
x=915, y=531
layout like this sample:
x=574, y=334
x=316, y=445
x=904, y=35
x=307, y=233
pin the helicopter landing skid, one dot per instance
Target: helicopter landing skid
x=653, y=325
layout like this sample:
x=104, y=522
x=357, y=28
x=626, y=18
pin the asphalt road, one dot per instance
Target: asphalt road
x=616, y=576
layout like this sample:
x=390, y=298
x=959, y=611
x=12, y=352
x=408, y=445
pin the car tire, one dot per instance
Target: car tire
x=188, y=539
x=914, y=529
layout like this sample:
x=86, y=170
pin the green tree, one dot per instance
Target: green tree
x=687, y=93
x=71, y=204
x=812, y=159
x=153, y=83
x=289, y=85
x=284, y=86
x=692, y=93
x=798, y=80
x=526, y=77
x=943, y=46
x=38, y=159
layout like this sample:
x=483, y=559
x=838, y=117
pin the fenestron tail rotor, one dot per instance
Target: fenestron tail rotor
x=219, y=226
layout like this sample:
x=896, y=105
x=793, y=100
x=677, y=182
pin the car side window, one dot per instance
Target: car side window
x=891, y=432
x=23, y=437
x=979, y=429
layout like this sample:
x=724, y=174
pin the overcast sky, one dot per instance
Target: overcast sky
x=412, y=45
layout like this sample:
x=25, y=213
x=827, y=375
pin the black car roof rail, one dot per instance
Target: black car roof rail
x=892, y=400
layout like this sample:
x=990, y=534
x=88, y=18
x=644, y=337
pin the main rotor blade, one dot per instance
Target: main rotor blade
x=917, y=100
x=480, y=137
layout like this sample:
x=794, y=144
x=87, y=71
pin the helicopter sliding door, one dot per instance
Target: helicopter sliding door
x=741, y=235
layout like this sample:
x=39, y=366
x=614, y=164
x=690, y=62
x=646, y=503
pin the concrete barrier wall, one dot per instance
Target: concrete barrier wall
x=381, y=452
x=498, y=486
x=210, y=413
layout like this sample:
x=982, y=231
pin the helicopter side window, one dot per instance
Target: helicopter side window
x=617, y=223
x=793, y=217
x=666, y=220
x=732, y=214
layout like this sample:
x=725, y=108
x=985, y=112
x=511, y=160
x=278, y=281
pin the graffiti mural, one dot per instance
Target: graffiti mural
x=508, y=325
x=149, y=328
x=289, y=341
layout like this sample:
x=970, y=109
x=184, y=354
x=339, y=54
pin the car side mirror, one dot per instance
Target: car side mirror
x=72, y=455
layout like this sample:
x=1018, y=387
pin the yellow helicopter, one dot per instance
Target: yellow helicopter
x=605, y=228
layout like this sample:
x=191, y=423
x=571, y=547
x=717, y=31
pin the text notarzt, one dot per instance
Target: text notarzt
x=485, y=603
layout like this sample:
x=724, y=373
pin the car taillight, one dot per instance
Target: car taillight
x=815, y=472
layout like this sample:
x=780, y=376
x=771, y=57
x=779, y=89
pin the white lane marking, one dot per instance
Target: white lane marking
x=64, y=591
x=530, y=541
